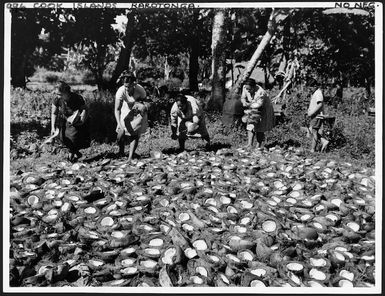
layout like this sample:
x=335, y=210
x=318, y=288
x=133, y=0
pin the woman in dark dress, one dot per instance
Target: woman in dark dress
x=69, y=116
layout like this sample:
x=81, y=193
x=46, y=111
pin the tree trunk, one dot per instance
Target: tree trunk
x=281, y=15
x=125, y=53
x=218, y=60
x=194, y=54
x=18, y=72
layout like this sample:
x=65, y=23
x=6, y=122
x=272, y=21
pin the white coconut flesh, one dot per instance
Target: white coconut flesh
x=246, y=256
x=314, y=284
x=90, y=210
x=186, y=185
x=138, y=208
x=245, y=221
x=305, y=217
x=240, y=229
x=164, y=228
x=246, y=205
x=184, y=217
x=318, y=225
x=213, y=209
x=294, y=278
x=271, y=202
x=128, y=262
x=336, y=201
x=148, y=263
x=200, y=245
x=291, y=200
x=332, y=217
x=73, y=198
x=164, y=203
x=129, y=270
x=152, y=251
x=128, y=251
x=353, y=226
x=295, y=194
x=225, y=200
x=270, y=175
x=278, y=184
x=107, y=221
x=269, y=226
x=66, y=182
x=190, y=253
x=208, y=191
x=33, y=199
x=233, y=258
x=196, y=280
x=202, y=271
x=214, y=258
x=211, y=202
x=307, y=203
x=317, y=274
x=215, y=219
x=348, y=254
x=188, y=227
x=57, y=203
x=258, y=272
x=52, y=235
x=156, y=242
x=345, y=283
x=297, y=187
x=96, y=263
x=224, y=278
x=147, y=228
x=168, y=256
x=347, y=275
x=340, y=249
x=257, y=283
x=368, y=258
x=294, y=266
x=319, y=208
x=232, y=210
x=339, y=256
x=44, y=269
x=318, y=262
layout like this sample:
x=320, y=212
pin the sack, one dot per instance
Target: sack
x=133, y=123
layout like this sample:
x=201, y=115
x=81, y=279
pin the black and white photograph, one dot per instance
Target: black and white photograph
x=203, y=147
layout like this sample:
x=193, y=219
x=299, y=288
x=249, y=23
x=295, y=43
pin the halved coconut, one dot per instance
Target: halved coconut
x=128, y=251
x=225, y=200
x=151, y=252
x=353, y=226
x=318, y=275
x=190, y=253
x=269, y=226
x=128, y=262
x=346, y=274
x=345, y=283
x=127, y=271
x=318, y=262
x=257, y=283
x=211, y=201
x=188, y=227
x=33, y=200
x=259, y=272
x=200, y=245
x=107, y=221
x=295, y=267
x=196, y=280
x=184, y=217
x=245, y=221
x=148, y=263
x=246, y=255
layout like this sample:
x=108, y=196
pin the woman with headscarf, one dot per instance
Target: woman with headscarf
x=68, y=120
x=259, y=112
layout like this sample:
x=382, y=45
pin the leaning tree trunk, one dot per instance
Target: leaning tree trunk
x=274, y=18
x=125, y=52
x=218, y=60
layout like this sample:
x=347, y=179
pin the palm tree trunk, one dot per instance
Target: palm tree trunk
x=282, y=14
x=124, y=56
x=218, y=60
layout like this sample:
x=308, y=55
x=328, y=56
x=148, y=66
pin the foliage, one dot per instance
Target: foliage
x=353, y=134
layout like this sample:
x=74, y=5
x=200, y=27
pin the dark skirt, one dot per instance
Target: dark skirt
x=75, y=137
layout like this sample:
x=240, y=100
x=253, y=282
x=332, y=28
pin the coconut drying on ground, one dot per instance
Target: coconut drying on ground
x=228, y=218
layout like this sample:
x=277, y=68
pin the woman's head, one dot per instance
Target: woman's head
x=250, y=85
x=128, y=78
x=64, y=89
x=181, y=101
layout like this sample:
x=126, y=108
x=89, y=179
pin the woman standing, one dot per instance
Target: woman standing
x=259, y=112
x=130, y=113
x=68, y=118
